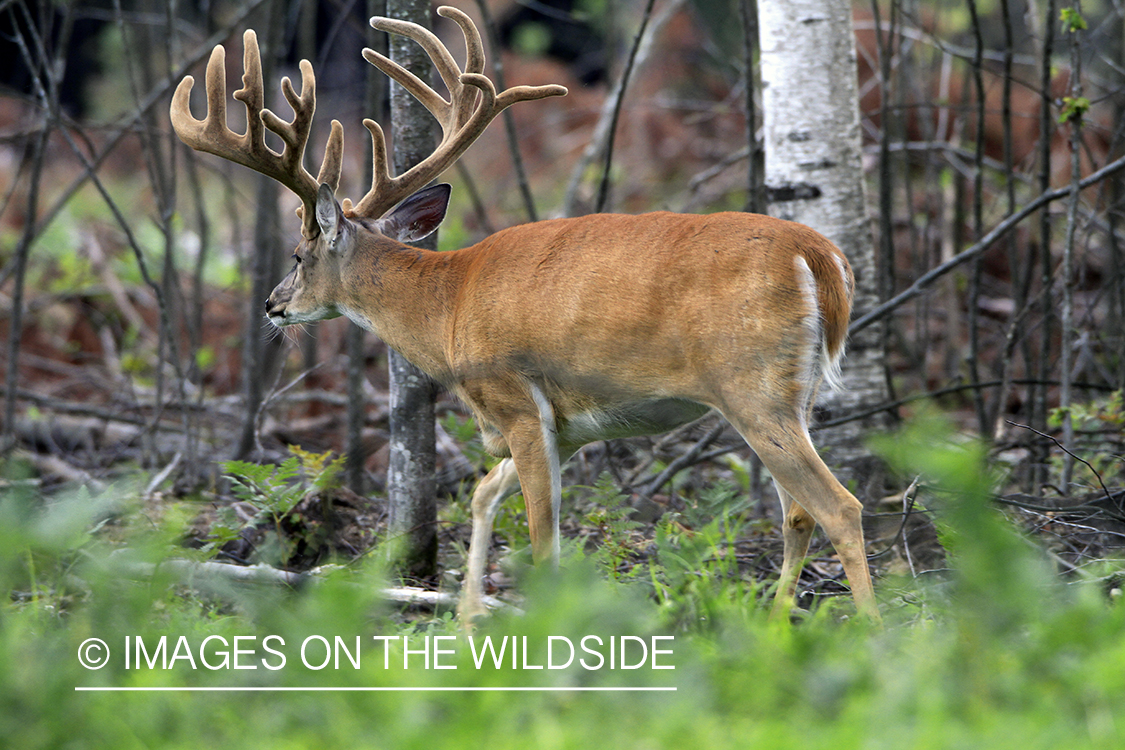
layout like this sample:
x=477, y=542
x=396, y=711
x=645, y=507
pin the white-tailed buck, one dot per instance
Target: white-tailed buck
x=561, y=332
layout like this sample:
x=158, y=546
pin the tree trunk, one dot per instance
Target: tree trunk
x=411, y=478
x=260, y=353
x=375, y=107
x=814, y=176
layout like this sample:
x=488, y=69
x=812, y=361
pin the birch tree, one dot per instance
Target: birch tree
x=411, y=476
x=814, y=175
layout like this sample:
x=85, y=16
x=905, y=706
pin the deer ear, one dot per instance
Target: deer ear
x=328, y=214
x=417, y=216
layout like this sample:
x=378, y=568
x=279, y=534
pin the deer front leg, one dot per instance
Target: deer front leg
x=501, y=482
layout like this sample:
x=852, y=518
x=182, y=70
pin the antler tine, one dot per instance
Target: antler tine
x=382, y=184
x=333, y=162
x=446, y=112
x=249, y=149
x=421, y=91
x=474, y=58
x=210, y=135
x=473, y=103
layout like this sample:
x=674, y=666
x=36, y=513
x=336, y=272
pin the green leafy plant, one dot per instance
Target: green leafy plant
x=1093, y=421
x=1072, y=20
x=695, y=571
x=273, y=491
x=610, y=516
x=464, y=431
x=1073, y=109
x=1108, y=413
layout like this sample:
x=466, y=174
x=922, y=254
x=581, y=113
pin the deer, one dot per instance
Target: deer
x=566, y=331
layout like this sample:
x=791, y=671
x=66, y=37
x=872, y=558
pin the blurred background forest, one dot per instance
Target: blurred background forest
x=132, y=269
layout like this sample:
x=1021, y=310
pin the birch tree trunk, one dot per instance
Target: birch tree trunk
x=375, y=107
x=411, y=476
x=814, y=175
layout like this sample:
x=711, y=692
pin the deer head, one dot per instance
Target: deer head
x=330, y=229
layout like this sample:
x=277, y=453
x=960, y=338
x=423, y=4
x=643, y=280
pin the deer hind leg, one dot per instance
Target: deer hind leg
x=529, y=434
x=535, y=451
x=500, y=483
x=782, y=442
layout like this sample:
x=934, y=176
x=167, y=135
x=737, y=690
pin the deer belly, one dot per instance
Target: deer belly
x=631, y=419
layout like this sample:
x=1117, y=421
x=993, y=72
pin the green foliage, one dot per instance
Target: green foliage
x=695, y=573
x=273, y=491
x=531, y=39
x=464, y=431
x=1073, y=109
x=205, y=358
x=1002, y=656
x=1100, y=413
x=1094, y=418
x=453, y=235
x=998, y=574
x=610, y=516
x=1072, y=20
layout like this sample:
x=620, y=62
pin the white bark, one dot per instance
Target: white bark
x=811, y=117
x=814, y=172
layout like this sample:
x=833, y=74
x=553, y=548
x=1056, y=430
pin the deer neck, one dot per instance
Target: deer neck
x=403, y=295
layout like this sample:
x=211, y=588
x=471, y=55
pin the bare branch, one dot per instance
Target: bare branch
x=922, y=282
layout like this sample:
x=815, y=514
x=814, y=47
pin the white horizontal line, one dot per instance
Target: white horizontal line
x=261, y=689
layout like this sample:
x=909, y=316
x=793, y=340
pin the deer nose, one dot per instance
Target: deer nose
x=271, y=307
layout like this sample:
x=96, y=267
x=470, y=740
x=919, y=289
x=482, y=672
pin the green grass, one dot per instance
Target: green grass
x=998, y=653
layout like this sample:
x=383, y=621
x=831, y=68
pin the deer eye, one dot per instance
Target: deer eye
x=297, y=259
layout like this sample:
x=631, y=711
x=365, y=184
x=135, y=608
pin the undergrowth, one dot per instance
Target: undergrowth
x=998, y=652
x=273, y=493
